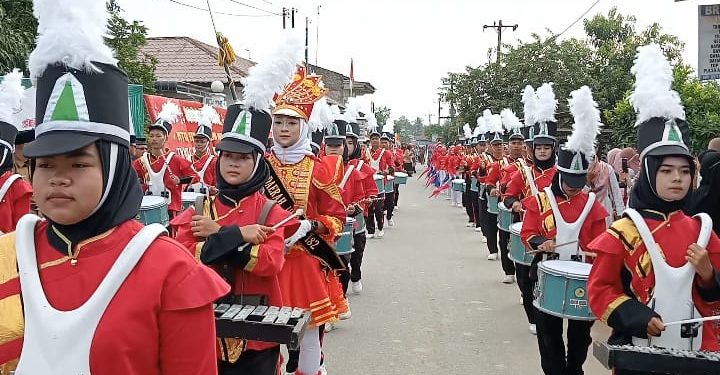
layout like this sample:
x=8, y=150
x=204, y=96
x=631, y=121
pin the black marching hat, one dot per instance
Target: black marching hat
x=245, y=130
x=336, y=132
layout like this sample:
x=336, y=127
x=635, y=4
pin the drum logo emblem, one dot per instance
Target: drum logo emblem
x=579, y=292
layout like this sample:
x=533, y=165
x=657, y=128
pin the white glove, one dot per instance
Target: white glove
x=305, y=226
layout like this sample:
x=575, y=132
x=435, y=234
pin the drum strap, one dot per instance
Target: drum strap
x=8, y=183
x=314, y=244
x=346, y=176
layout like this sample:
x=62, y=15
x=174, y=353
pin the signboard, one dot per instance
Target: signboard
x=709, y=42
x=183, y=131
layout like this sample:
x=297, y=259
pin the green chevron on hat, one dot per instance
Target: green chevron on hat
x=67, y=101
x=243, y=123
x=672, y=132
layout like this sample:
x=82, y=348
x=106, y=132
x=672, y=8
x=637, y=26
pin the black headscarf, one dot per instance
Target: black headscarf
x=544, y=164
x=232, y=194
x=356, y=153
x=643, y=195
x=124, y=197
x=703, y=199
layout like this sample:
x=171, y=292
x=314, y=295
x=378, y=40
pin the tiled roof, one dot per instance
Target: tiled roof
x=184, y=59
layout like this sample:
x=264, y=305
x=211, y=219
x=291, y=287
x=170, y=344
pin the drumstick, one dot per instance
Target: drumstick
x=299, y=212
x=696, y=320
x=558, y=245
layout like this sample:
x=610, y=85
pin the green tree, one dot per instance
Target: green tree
x=18, y=27
x=126, y=38
x=382, y=114
x=446, y=130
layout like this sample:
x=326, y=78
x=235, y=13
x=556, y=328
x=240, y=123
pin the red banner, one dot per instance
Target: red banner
x=183, y=131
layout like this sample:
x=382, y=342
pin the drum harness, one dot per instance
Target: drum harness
x=156, y=178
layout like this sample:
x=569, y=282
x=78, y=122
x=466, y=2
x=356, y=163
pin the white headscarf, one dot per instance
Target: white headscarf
x=296, y=152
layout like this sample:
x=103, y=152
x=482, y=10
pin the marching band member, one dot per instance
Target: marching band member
x=203, y=160
x=603, y=181
x=100, y=293
x=492, y=180
x=484, y=162
x=161, y=170
x=562, y=220
x=26, y=133
x=354, y=151
x=656, y=264
x=385, y=143
x=381, y=161
x=528, y=182
x=474, y=182
x=240, y=217
x=15, y=193
x=399, y=156
x=308, y=185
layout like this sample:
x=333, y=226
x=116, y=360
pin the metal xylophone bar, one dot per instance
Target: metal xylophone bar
x=282, y=325
x=658, y=360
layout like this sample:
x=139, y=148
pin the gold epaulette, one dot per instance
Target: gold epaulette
x=625, y=231
x=11, y=311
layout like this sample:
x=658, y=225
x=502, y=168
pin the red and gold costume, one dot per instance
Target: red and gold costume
x=260, y=275
x=518, y=187
x=15, y=203
x=622, y=276
x=166, y=292
x=539, y=220
x=381, y=160
x=177, y=167
x=198, y=163
x=302, y=279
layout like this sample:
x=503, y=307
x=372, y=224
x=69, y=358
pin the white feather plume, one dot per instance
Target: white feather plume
x=529, y=100
x=11, y=96
x=372, y=124
x=510, y=121
x=653, y=95
x=207, y=116
x=72, y=33
x=496, y=125
x=487, y=119
x=352, y=110
x=270, y=76
x=468, y=131
x=389, y=127
x=587, y=122
x=336, y=114
x=169, y=112
x=546, y=103
x=321, y=116
x=482, y=125
x=477, y=131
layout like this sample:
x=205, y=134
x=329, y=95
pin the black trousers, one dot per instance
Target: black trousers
x=552, y=347
x=375, y=215
x=344, y=275
x=483, y=215
x=474, y=201
x=526, y=286
x=356, y=257
x=508, y=265
x=389, y=204
x=397, y=195
x=252, y=362
x=491, y=233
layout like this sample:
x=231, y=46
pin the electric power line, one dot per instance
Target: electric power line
x=256, y=8
x=577, y=20
x=223, y=13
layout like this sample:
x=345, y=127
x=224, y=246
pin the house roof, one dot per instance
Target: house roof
x=184, y=59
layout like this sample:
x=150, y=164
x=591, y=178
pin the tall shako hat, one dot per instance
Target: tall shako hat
x=247, y=124
x=529, y=100
x=352, y=127
x=468, y=134
x=512, y=124
x=388, y=130
x=322, y=119
x=168, y=114
x=82, y=96
x=25, y=119
x=660, y=122
x=495, y=128
x=544, y=116
x=481, y=129
x=372, y=127
x=574, y=157
x=205, y=124
x=300, y=95
x=11, y=95
x=476, y=134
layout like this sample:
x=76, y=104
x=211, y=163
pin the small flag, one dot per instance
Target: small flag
x=352, y=77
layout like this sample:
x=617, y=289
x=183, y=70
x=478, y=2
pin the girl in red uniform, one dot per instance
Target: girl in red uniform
x=101, y=294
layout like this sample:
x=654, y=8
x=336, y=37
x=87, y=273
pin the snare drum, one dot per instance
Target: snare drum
x=188, y=199
x=505, y=217
x=401, y=178
x=344, y=244
x=492, y=205
x=359, y=226
x=474, y=184
x=518, y=252
x=380, y=183
x=458, y=184
x=154, y=210
x=389, y=188
x=562, y=289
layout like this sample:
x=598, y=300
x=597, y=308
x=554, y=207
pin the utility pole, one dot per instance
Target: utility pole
x=307, y=35
x=499, y=29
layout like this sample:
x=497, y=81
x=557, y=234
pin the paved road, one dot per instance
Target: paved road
x=433, y=304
